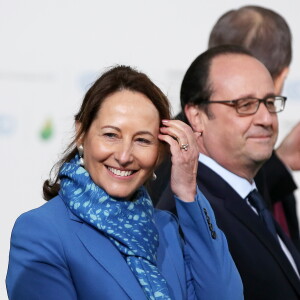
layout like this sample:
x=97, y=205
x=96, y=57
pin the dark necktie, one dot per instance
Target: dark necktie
x=265, y=215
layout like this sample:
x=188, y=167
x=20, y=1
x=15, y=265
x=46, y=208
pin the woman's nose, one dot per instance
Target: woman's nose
x=124, y=154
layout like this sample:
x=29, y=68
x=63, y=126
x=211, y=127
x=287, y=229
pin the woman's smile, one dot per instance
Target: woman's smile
x=121, y=173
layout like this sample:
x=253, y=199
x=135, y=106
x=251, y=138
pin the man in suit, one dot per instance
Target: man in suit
x=267, y=35
x=260, y=30
x=229, y=97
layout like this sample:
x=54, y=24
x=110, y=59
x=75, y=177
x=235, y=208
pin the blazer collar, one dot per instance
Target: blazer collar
x=215, y=185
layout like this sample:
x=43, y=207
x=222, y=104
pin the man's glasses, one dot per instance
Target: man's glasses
x=249, y=106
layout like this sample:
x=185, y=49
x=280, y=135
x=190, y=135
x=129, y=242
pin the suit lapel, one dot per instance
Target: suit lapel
x=105, y=253
x=216, y=186
x=293, y=250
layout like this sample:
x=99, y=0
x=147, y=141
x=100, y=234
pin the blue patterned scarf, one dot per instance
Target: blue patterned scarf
x=128, y=224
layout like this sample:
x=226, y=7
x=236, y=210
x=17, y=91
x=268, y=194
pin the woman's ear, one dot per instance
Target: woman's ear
x=280, y=79
x=195, y=117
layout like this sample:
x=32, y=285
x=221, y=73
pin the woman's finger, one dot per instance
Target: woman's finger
x=184, y=157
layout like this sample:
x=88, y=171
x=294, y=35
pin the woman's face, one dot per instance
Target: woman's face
x=121, y=147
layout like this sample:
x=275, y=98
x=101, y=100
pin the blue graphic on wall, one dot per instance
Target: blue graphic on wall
x=8, y=125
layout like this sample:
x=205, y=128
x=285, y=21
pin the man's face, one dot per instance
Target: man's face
x=239, y=143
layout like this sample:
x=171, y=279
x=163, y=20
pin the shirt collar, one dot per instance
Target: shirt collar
x=241, y=185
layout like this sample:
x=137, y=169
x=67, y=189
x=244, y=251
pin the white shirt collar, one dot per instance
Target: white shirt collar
x=241, y=185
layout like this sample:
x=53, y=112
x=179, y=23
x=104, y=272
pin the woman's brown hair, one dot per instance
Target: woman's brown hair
x=115, y=79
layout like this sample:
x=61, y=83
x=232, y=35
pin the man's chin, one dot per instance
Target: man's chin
x=262, y=157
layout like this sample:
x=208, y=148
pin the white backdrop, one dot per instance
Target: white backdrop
x=52, y=50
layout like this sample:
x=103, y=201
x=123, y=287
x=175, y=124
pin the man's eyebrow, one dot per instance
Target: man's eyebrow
x=246, y=96
x=270, y=95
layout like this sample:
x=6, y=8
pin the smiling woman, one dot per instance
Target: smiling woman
x=99, y=236
x=120, y=155
x=122, y=108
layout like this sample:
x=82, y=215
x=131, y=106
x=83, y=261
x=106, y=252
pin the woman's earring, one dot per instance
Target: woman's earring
x=80, y=151
x=154, y=176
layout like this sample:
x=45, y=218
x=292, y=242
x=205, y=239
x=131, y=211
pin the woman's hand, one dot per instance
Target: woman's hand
x=185, y=153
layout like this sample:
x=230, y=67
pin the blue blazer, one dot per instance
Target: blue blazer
x=55, y=255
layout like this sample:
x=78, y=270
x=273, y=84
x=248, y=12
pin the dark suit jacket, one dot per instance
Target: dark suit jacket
x=266, y=273
x=273, y=181
x=276, y=184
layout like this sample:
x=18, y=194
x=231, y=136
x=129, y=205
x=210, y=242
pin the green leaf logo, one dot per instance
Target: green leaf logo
x=47, y=130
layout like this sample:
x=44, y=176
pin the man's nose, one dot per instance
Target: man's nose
x=263, y=116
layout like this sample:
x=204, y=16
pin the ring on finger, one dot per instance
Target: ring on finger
x=184, y=147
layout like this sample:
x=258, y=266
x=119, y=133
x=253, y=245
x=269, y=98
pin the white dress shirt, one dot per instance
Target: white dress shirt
x=243, y=187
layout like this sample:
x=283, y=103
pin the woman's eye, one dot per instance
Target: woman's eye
x=144, y=141
x=110, y=135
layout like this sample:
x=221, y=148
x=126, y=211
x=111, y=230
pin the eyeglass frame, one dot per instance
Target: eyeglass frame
x=260, y=100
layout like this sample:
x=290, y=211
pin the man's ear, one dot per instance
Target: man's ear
x=195, y=117
x=279, y=80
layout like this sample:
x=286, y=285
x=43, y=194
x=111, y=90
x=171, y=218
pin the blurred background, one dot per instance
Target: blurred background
x=50, y=53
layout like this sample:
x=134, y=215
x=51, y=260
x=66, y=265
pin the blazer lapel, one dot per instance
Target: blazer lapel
x=171, y=255
x=241, y=211
x=106, y=254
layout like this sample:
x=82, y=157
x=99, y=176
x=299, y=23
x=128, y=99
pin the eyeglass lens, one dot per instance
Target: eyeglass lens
x=248, y=106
